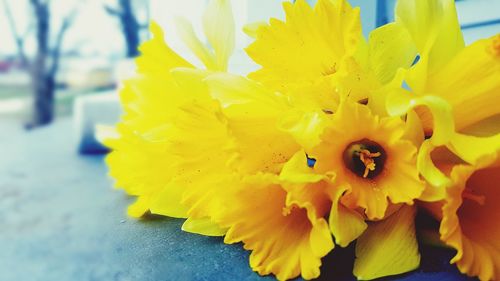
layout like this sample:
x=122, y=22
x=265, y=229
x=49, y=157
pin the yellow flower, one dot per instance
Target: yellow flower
x=383, y=248
x=254, y=113
x=368, y=154
x=451, y=87
x=231, y=154
x=317, y=53
x=156, y=153
x=134, y=162
x=470, y=215
x=360, y=165
x=454, y=90
x=286, y=238
x=308, y=46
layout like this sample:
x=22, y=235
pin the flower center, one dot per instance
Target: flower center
x=365, y=158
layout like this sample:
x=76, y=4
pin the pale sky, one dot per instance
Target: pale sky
x=96, y=33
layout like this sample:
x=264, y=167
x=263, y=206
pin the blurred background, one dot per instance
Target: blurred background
x=60, y=65
x=53, y=51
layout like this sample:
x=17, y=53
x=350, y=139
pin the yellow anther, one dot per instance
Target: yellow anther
x=367, y=158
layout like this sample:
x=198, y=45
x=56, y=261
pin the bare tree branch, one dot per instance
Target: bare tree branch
x=43, y=74
x=18, y=38
x=129, y=24
x=56, y=50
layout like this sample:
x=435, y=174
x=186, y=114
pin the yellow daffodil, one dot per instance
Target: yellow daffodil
x=134, y=162
x=360, y=164
x=286, y=238
x=308, y=46
x=317, y=51
x=166, y=113
x=454, y=90
x=469, y=214
x=368, y=154
x=254, y=114
x=312, y=148
x=471, y=218
x=451, y=87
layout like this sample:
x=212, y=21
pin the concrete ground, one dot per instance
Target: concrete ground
x=60, y=219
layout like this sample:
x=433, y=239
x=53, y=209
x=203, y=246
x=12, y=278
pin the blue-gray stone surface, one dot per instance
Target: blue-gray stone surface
x=60, y=219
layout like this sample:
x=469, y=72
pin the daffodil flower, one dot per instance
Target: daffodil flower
x=306, y=48
x=451, y=86
x=360, y=164
x=312, y=148
x=471, y=218
x=469, y=213
x=286, y=238
x=165, y=113
x=453, y=89
x=368, y=154
x=317, y=56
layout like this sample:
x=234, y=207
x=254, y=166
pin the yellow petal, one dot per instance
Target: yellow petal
x=434, y=191
x=235, y=90
x=354, y=80
x=186, y=32
x=156, y=56
x=391, y=48
x=346, y=225
x=136, y=167
x=434, y=28
x=284, y=241
x=484, y=128
x=192, y=80
x=309, y=45
x=470, y=82
x=218, y=25
x=399, y=103
x=388, y=247
x=254, y=113
x=378, y=98
x=414, y=131
x=305, y=127
x=321, y=242
x=204, y=226
x=168, y=201
x=471, y=148
x=202, y=146
x=471, y=217
x=252, y=29
x=296, y=170
x=139, y=207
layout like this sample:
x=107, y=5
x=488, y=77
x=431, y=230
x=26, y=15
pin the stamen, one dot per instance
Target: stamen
x=469, y=194
x=367, y=158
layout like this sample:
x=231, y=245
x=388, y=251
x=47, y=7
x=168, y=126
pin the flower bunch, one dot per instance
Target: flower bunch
x=334, y=139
